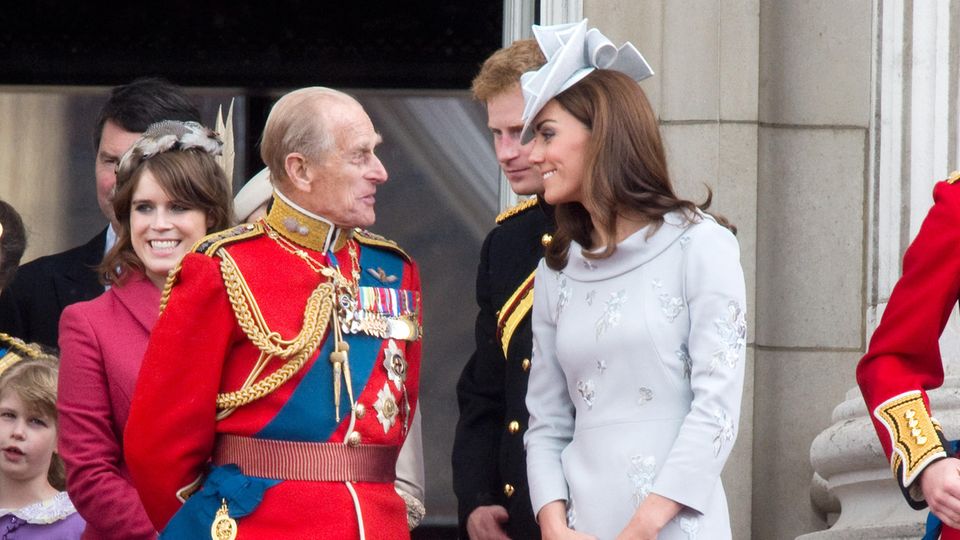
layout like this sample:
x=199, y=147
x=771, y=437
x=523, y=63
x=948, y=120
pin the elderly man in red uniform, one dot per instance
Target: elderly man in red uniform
x=281, y=378
x=903, y=363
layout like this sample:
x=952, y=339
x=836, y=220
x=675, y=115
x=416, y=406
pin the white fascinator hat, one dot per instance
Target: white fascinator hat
x=254, y=194
x=573, y=52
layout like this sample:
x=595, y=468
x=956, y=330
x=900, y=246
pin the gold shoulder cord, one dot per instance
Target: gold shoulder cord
x=516, y=209
x=168, y=285
x=250, y=318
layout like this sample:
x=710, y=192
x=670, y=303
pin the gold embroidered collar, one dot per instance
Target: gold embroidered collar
x=305, y=228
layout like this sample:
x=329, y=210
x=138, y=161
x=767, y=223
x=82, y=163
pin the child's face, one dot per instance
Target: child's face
x=27, y=440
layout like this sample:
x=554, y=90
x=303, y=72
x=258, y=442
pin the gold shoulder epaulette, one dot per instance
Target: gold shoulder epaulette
x=209, y=244
x=954, y=176
x=517, y=209
x=372, y=239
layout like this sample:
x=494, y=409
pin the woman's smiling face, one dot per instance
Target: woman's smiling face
x=161, y=229
x=559, y=150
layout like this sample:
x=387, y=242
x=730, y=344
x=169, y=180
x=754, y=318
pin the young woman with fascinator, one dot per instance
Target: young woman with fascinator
x=170, y=193
x=638, y=316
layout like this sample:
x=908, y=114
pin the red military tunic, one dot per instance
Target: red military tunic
x=201, y=347
x=903, y=361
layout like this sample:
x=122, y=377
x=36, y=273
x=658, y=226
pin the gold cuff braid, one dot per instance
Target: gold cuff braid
x=913, y=435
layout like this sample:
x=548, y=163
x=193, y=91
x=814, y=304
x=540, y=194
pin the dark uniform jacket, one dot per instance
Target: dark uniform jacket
x=489, y=465
x=31, y=305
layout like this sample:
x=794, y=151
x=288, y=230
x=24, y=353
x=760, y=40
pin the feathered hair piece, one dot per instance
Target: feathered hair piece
x=225, y=129
x=169, y=135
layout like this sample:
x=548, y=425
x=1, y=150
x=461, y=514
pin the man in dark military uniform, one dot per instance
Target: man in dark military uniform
x=489, y=466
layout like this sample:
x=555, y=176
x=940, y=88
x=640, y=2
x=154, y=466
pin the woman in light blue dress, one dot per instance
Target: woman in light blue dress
x=638, y=318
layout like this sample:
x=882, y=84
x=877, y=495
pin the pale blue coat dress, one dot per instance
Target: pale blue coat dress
x=636, y=379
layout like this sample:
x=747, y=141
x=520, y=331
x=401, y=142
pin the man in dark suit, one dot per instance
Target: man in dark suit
x=489, y=465
x=30, y=306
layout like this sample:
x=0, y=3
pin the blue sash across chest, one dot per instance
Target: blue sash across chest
x=308, y=415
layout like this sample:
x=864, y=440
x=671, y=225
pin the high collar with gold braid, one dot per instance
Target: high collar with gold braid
x=305, y=228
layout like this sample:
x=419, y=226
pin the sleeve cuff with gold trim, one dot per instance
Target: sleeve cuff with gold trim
x=915, y=438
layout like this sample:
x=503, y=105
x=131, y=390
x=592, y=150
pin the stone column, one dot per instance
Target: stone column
x=913, y=144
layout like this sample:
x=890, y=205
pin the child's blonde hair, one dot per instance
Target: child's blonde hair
x=34, y=380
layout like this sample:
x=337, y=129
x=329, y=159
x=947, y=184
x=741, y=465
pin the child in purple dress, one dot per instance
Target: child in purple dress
x=32, y=503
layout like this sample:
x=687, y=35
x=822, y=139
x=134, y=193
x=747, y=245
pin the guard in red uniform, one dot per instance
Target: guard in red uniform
x=281, y=378
x=903, y=363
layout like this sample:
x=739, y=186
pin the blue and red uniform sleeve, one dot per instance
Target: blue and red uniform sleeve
x=903, y=361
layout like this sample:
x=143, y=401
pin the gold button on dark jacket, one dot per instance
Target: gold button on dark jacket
x=513, y=427
x=508, y=490
x=525, y=365
x=546, y=239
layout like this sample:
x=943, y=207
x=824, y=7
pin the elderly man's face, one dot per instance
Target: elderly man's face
x=344, y=182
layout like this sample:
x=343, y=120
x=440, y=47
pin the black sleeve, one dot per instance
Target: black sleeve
x=480, y=395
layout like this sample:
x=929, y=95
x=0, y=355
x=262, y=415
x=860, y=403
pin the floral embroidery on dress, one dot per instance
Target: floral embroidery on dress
x=590, y=296
x=683, y=354
x=641, y=473
x=689, y=522
x=684, y=240
x=724, y=433
x=611, y=313
x=571, y=515
x=732, y=329
x=395, y=364
x=565, y=293
x=671, y=306
x=386, y=406
x=589, y=265
x=646, y=395
x=601, y=366
x=587, y=392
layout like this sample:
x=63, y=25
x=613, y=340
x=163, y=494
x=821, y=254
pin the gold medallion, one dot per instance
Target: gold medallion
x=224, y=527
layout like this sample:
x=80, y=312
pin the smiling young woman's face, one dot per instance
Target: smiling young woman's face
x=559, y=150
x=161, y=229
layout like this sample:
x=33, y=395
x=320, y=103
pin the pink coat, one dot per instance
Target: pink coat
x=101, y=345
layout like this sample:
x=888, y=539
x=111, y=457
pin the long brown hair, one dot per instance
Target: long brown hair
x=625, y=166
x=191, y=177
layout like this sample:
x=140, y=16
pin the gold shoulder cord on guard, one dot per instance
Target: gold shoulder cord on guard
x=954, y=177
x=516, y=209
x=323, y=307
x=318, y=311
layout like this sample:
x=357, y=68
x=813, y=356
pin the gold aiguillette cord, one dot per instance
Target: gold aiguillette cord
x=339, y=358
